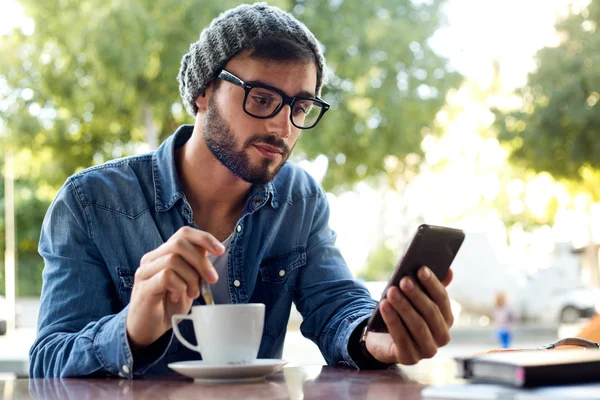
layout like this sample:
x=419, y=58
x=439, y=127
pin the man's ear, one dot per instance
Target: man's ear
x=202, y=100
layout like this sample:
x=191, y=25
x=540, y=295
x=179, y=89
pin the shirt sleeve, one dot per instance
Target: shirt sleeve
x=81, y=324
x=333, y=304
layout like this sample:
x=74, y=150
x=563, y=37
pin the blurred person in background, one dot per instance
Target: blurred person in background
x=504, y=318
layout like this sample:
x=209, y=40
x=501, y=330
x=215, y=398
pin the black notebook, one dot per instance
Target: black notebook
x=532, y=368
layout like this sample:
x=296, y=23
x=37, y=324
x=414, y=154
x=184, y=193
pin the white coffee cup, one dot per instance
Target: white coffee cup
x=225, y=333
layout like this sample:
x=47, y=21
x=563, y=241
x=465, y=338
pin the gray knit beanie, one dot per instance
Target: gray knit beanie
x=231, y=32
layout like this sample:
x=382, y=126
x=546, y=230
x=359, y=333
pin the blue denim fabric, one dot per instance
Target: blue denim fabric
x=104, y=219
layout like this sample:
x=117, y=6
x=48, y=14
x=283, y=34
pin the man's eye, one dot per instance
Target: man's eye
x=262, y=101
x=301, y=108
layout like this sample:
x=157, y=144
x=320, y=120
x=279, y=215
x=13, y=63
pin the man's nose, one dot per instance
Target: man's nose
x=281, y=124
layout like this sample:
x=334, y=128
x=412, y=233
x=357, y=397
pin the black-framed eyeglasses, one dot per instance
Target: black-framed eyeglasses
x=264, y=101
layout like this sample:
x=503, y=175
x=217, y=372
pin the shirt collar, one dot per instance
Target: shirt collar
x=167, y=189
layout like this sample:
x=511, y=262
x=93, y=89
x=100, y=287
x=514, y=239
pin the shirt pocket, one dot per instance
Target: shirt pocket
x=280, y=270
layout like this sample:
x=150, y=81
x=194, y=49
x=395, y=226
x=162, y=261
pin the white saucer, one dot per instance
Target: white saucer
x=203, y=372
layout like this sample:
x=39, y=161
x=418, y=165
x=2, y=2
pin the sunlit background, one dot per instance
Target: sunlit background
x=480, y=89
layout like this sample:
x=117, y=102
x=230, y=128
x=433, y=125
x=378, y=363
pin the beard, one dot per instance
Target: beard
x=221, y=141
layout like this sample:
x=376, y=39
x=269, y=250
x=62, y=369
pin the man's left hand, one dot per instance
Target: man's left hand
x=418, y=324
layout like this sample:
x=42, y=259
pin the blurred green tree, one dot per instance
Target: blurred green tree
x=558, y=125
x=386, y=83
x=380, y=264
x=557, y=128
x=97, y=80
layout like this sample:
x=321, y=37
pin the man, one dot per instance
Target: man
x=126, y=243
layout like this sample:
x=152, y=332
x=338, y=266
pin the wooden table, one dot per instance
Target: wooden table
x=306, y=382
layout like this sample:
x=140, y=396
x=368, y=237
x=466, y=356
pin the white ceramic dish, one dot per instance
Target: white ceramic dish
x=202, y=372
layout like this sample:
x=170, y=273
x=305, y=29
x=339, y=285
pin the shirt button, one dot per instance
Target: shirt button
x=236, y=283
x=239, y=228
x=281, y=272
x=186, y=211
x=257, y=201
x=125, y=369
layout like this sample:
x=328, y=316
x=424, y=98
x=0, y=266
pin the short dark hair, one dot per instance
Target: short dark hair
x=281, y=48
x=284, y=48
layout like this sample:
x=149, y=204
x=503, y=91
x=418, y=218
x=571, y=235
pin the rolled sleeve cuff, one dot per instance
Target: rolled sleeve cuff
x=112, y=348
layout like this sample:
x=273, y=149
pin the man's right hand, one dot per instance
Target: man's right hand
x=167, y=282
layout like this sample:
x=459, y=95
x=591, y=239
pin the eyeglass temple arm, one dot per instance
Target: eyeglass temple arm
x=231, y=78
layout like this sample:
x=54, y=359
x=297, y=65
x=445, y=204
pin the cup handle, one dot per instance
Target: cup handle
x=175, y=319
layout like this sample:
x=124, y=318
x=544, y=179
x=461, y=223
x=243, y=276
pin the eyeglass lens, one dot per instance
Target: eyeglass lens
x=261, y=102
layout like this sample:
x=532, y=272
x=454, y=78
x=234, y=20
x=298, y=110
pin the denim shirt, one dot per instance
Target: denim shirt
x=105, y=218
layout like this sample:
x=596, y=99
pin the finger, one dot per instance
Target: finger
x=448, y=278
x=167, y=281
x=201, y=239
x=415, y=323
x=428, y=310
x=197, y=259
x=406, y=349
x=191, y=254
x=196, y=237
x=195, y=254
x=179, y=266
x=438, y=293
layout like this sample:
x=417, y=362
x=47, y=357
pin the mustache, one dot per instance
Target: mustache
x=271, y=140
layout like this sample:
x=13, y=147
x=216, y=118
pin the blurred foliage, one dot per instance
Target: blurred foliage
x=78, y=87
x=380, y=264
x=386, y=84
x=28, y=217
x=557, y=128
x=95, y=78
x=558, y=125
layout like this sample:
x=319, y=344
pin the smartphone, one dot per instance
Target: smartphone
x=433, y=246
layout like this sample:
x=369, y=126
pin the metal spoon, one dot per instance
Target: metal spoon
x=207, y=293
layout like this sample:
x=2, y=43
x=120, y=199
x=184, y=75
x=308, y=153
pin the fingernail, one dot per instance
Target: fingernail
x=219, y=246
x=390, y=293
x=396, y=295
x=425, y=273
x=386, y=306
x=407, y=284
x=213, y=276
